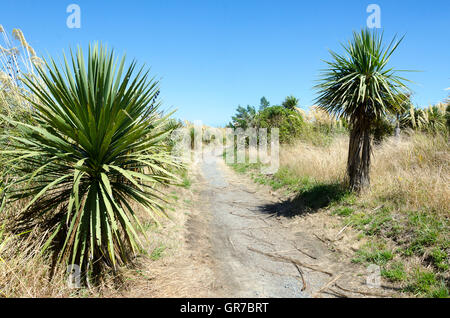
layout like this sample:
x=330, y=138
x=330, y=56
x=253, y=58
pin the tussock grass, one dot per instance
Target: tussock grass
x=24, y=271
x=323, y=164
x=412, y=172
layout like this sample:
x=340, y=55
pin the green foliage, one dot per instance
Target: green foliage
x=382, y=128
x=374, y=254
x=290, y=103
x=440, y=258
x=422, y=283
x=447, y=116
x=359, y=86
x=343, y=211
x=395, y=272
x=186, y=182
x=289, y=122
x=412, y=118
x=245, y=167
x=427, y=230
x=99, y=144
x=434, y=119
x=244, y=118
x=264, y=103
x=16, y=61
x=317, y=135
x=360, y=83
x=157, y=253
x=440, y=290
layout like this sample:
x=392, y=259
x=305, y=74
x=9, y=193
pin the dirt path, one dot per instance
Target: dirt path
x=234, y=238
x=255, y=255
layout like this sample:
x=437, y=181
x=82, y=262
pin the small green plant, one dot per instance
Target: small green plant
x=343, y=211
x=360, y=220
x=157, y=253
x=427, y=230
x=374, y=254
x=245, y=167
x=440, y=259
x=186, y=182
x=422, y=283
x=439, y=291
x=380, y=219
x=395, y=272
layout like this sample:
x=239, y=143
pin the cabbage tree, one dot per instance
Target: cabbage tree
x=360, y=87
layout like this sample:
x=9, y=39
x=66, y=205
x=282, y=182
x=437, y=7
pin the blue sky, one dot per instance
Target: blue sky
x=212, y=55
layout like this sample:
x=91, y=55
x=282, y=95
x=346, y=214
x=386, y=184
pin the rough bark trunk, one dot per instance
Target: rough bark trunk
x=397, y=127
x=358, y=163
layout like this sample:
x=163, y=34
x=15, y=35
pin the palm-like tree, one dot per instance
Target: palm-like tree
x=96, y=153
x=360, y=87
x=291, y=102
x=244, y=118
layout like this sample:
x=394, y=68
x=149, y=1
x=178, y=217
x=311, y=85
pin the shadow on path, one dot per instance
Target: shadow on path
x=307, y=201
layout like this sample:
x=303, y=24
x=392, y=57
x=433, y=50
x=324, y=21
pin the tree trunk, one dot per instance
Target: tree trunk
x=397, y=128
x=358, y=163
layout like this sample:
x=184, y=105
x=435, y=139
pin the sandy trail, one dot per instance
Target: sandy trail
x=243, y=230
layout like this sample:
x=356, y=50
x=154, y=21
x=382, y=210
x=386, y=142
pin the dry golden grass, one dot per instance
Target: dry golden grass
x=324, y=164
x=24, y=272
x=412, y=171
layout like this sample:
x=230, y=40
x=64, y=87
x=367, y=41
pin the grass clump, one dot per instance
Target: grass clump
x=157, y=253
x=440, y=259
x=343, y=211
x=395, y=272
x=186, y=182
x=376, y=254
x=425, y=283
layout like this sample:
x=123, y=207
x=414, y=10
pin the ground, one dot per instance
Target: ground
x=236, y=243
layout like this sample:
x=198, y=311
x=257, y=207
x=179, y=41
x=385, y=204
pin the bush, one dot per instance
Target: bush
x=381, y=129
x=289, y=122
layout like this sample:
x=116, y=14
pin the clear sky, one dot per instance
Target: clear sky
x=212, y=55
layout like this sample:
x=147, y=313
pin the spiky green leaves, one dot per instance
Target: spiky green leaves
x=360, y=82
x=96, y=155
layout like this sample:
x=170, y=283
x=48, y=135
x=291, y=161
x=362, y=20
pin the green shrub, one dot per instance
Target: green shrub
x=382, y=128
x=289, y=122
